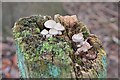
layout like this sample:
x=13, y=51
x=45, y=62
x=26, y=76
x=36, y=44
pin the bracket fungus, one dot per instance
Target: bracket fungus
x=69, y=21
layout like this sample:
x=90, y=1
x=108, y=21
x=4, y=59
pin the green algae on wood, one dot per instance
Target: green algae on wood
x=54, y=57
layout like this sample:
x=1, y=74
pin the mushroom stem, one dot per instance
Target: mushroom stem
x=59, y=32
x=53, y=32
x=48, y=35
x=44, y=36
x=79, y=45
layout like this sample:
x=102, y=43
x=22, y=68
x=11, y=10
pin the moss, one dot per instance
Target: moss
x=54, y=70
x=25, y=33
x=54, y=57
x=85, y=32
x=37, y=30
x=17, y=35
x=50, y=46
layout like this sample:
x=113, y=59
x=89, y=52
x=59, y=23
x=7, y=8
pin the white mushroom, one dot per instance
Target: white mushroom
x=59, y=32
x=78, y=38
x=59, y=27
x=86, y=46
x=55, y=28
x=80, y=49
x=50, y=24
x=53, y=32
x=44, y=32
x=48, y=35
x=79, y=45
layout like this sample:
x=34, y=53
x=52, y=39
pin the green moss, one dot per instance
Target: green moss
x=37, y=30
x=17, y=35
x=53, y=57
x=85, y=32
x=25, y=33
x=57, y=48
x=60, y=49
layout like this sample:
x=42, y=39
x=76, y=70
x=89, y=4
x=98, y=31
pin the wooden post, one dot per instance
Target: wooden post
x=54, y=57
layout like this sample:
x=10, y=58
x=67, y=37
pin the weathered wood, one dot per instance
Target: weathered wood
x=55, y=57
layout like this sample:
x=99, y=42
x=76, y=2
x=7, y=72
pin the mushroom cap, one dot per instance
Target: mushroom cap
x=53, y=31
x=59, y=27
x=78, y=37
x=44, y=32
x=50, y=24
x=79, y=50
x=86, y=46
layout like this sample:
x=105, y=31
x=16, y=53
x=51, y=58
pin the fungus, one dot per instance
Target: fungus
x=55, y=28
x=78, y=38
x=53, y=32
x=50, y=24
x=59, y=27
x=44, y=32
x=67, y=20
x=59, y=32
x=79, y=45
x=48, y=35
x=84, y=47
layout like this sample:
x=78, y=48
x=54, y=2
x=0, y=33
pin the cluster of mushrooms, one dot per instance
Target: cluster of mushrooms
x=57, y=28
x=54, y=29
x=83, y=44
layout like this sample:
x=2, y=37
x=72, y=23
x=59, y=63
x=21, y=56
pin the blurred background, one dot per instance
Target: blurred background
x=100, y=18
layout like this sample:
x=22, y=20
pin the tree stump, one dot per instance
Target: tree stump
x=59, y=55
